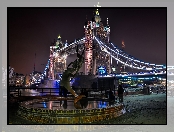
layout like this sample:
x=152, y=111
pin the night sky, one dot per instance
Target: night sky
x=31, y=30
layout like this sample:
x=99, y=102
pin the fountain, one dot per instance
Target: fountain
x=49, y=111
x=66, y=110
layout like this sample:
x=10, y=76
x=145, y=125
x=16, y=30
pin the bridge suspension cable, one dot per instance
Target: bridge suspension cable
x=126, y=59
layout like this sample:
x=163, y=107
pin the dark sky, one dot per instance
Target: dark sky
x=31, y=30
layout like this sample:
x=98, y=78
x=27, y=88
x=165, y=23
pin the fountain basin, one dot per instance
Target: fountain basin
x=29, y=110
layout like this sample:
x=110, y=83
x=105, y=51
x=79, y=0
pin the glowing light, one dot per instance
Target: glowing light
x=59, y=37
x=97, y=12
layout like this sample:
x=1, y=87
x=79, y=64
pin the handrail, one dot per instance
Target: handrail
x=42, y=91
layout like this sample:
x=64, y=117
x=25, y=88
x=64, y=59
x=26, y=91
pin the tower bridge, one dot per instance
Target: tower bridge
x=99, y=51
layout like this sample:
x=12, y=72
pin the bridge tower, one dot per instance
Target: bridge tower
x=88, y=47
x=57, y=59
x=103, y=33
x=94, y=56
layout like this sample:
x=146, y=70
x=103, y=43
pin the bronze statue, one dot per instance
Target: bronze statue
x=79, y=61
x=72, y=72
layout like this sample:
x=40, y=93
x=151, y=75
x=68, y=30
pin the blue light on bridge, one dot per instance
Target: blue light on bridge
x=102, y=104
x=44, y=104
x=57, y=84
x=60, y=76
x=102, y=71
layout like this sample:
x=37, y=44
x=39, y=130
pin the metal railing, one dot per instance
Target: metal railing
x=21, y=91
x=18, y=91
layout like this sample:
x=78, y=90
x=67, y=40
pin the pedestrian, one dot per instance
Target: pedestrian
x=126, y=90
x=120, y=93
x=111, y=96
x=157, y=90
x=148, y=90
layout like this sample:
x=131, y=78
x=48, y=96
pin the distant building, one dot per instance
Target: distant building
x=12, y=81
x=27, y=80
x=36, y=77
x=15, y=79
x=20, y=80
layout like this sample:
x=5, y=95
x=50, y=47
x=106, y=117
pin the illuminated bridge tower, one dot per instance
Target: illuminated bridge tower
x=57, y=60
x=88, y=47
x=100, y=58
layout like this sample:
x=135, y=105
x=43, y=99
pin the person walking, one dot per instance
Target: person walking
x=157, y=90
x=126, y=91
x=111, y=96
x=120, y=93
